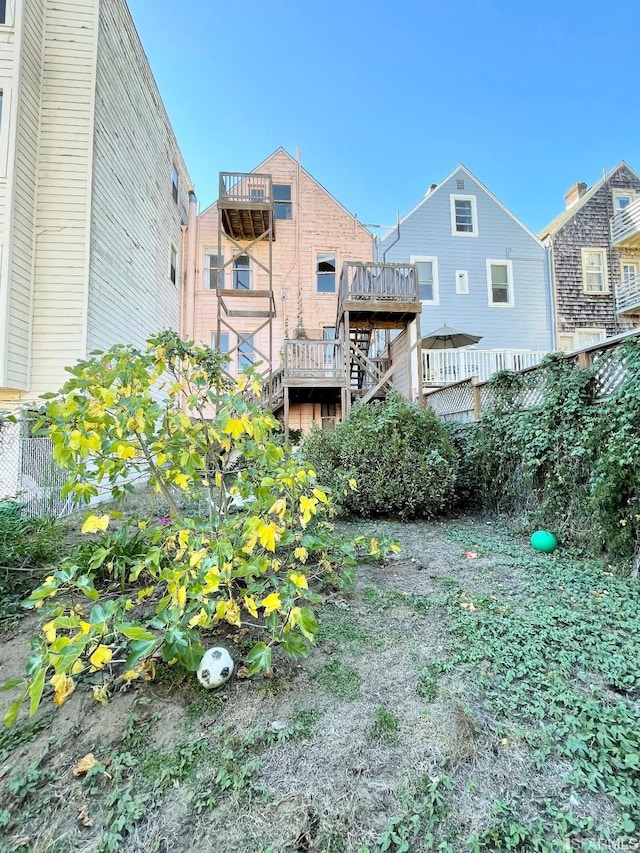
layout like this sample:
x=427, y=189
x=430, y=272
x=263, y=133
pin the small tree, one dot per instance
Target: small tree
x=172, y=415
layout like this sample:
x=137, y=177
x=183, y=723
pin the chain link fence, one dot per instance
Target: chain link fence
x=28, y=473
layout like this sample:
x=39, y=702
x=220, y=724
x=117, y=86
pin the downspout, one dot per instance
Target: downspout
x=551, y=302
x=187, y=327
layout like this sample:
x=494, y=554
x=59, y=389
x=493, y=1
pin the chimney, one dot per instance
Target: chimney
x=431, y=189
x=574, y=193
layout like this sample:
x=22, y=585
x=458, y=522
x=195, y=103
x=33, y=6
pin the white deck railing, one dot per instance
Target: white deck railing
x=626, y=223
x=441, y=367
x=628, y=296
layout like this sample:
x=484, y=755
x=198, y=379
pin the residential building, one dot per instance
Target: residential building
x=279, y=274
x=480, y=270
x=93, y=192
x=596, y=278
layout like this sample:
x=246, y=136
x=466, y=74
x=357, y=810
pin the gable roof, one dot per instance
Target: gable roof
x=556, y=224
x=282, y=150
x=462, y=168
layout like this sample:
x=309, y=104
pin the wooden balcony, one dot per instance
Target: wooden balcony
x=385, y=294
x=628, y=296
x=315, y=364
x=245, y=203
x=625, y=227
x=443, y=367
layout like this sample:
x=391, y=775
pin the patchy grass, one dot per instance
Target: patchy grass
x=488, y=702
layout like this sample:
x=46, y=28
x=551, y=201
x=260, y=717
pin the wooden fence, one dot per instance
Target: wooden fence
x=465, y=401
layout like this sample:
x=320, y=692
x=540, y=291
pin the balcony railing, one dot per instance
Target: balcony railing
x=322, y=362
x=625, y=225
x=392, y=282
x=442, y=367
x=628, y=296
x=245, y=188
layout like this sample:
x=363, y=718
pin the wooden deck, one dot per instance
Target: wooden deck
x=245, y=203
x=383, y=294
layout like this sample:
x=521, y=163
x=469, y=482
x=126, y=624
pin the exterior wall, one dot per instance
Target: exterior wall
x=319, y=224
x=63, y=192
x=426, y=232
x=589, y=227
x=134, y=218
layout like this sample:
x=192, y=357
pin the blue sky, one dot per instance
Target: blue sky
x=384, y=98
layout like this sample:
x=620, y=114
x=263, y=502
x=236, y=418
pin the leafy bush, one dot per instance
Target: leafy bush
x=173, y=415
x=571, y=461
x=29, y=542
x=399, y=455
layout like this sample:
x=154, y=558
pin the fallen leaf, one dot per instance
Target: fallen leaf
x=471, y=555
x=83, y=817
x=84, y=765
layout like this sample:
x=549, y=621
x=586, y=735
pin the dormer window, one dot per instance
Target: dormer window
x=464, y=216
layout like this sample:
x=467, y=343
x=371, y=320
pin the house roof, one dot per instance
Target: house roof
x=282, y=150
x=462, y=168
x=556, y=224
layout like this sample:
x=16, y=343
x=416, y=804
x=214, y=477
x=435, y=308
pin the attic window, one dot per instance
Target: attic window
x=460, y=184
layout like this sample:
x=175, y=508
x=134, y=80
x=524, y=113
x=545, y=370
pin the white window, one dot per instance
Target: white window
x=246, y=351
x=213, y=272
x=622, y=199
x=282, y=201
x=173, y=265
x=223, y=346
x=241, y=269
x=500, y=283
x=462, y=281
x=464, y=216
x=325, y=272
x=428, y=288
x=630, y=270
x=594, y=271
x=580, y=338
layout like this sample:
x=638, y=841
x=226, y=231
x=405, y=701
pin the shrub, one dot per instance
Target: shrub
x=398, y=453
x=27, y=542
x=173, y=415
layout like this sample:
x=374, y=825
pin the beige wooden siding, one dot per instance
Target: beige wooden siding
x=399, y=359
x=319, y=224
x=23, y=167
x=64, y=184
x=135, y=220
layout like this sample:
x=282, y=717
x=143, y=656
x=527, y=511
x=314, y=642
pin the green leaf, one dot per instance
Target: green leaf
x=307, y=623
x=35, y=691
x=259, y=659
x=13, y=710
x=9, y=685
x=139, y=650
x=294, y=646
x=136, y=632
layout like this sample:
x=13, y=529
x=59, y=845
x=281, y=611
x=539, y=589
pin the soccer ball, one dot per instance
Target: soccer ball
x=215, y=668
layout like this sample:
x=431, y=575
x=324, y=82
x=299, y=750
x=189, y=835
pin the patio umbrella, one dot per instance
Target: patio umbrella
x=447, y=338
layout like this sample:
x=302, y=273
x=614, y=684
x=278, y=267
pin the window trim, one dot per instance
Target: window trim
x=207, y=268
x=462, y=276
x=175, y=183
x=336, y=282
x=214, y=342
x=453, y=197
x=276, y=202
x=629, y=262
x=416, y=259
x=504, y=262
x=599, y=330
x=602, y=250
x=173, y=265
x=616, y=193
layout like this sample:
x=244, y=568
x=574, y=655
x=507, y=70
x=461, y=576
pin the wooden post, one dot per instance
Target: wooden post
x=286, y=413
x=475, y=390
x=584, y=360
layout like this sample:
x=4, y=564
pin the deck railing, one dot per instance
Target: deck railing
x=626, y=223
x=397, y=282
x=245, y=188
x=441, y=367
x=308, y=359
x=468, y=399
x=628, y=295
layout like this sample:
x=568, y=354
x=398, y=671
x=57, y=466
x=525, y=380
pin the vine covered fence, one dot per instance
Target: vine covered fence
x=467, y=400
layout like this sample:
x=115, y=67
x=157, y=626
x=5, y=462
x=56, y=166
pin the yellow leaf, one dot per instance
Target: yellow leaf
x=279, y=508
x=161, y=458
x=307, y=509
x=182, y=481
x=125, y=451
x=130, y=675
x=395, y=548
x=85, y=764
x=49, y=630
x=251, y=543
x=320, y=495
x=353, y=485
x=77, y=667
x=218, y=480
x=375, y=548
x=101, y=657
x=196, y=557
x=211, y=580
x=271, y=602
x=301, y=554
x=95, y=523
x=298, y=580
x=93, y=441
x=250, y=604
x=199, y=619
x=234, y=428
x=145, y=593
x=63, y=687
x=181, y=597
x=229, y=612
x=100, y=694
x=268, y=535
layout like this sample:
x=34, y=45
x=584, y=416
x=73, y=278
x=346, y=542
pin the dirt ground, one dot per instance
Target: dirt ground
x=372, y=734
